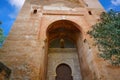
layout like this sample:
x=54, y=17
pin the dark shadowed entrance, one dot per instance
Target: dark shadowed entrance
x=63, y=72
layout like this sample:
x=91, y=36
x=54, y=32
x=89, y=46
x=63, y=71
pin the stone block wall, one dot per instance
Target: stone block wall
x=25, y=49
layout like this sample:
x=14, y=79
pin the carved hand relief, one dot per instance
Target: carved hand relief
x=61, y=4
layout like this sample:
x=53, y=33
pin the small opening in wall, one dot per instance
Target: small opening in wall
x=85, y=40
x=90, y=13
x=35, y=11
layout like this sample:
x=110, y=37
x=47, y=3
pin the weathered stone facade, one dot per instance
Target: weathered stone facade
x=27, y=49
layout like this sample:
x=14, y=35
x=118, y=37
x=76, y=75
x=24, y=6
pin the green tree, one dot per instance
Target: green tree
x=107, y=36
x=2, y=37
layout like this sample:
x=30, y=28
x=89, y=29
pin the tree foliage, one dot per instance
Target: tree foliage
x=107, y=36
x=2, y=37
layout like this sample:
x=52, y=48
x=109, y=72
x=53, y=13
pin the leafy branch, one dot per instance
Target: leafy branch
x=2, y=37
x=107, y=36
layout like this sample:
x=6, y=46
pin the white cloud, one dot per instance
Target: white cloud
x=115, y=2
x=17, y=3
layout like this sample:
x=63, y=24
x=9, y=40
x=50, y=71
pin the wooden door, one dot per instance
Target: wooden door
x=63, y=72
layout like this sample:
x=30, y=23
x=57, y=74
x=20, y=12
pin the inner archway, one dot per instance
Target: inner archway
x=63, y=72
x=62, y=36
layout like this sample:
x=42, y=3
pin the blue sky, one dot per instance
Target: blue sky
x=9, y=9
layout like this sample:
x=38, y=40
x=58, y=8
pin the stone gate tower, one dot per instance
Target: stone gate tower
x=49, y=41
